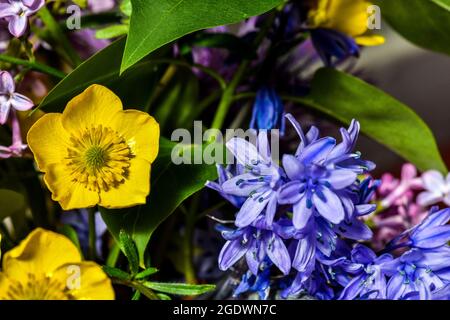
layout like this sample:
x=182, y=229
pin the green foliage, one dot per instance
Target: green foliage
x=423, y=22
x=182, y=289
x=10, y=203
x=129, y=249
x=170, y=185
x=174, y=19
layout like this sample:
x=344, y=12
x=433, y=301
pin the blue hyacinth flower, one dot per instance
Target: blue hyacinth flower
x=256, y=242
x=258, y=183
x=333, y=45
x=268, y=111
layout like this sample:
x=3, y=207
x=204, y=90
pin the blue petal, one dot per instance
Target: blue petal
x=231, y=252
x=290, y=192
x=431, y=237
x=277, y=252
x=304, y=255
x=353, y=288
x=362, y=254
x=340, y=179
x=252, y=208
x=317, y=151
x=302, y=213
x=293, y=167
x=330, y=207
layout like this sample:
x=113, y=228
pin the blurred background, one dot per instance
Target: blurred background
x=418, y=78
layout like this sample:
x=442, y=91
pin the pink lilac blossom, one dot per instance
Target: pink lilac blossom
x=398, y=208
x=16, y=12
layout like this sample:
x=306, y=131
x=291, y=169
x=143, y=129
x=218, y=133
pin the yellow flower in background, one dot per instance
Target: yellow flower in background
x=48, y=266
x=95, y=152
x=347, y=16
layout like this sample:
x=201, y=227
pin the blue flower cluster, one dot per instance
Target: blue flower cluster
x=302, y=221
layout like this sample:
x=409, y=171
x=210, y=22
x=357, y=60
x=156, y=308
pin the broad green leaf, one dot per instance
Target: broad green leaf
x=134, y=87
x=155, y=23
x=182, y=289
x=382, y=117
x=423, y=22
x=170, y=185
x=10, y=202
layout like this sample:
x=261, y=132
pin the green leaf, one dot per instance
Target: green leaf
x=129, y=249
x=170, y=185
x=71, y=234
x=10, y=202
x=163, y=296
x=111, y=31
x=116, y=273
x=147, y=272
x=382, y=117
x=155, y=23
x=134, y=87
x=182, y=289
x=126, y=8
x=423, y=22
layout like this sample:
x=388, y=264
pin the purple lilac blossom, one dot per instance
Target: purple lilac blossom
x=17, y=147
x=11, y=99
x=17, y=12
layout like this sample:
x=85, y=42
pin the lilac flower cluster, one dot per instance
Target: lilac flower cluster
x=304, y=220
x=10, y=103
x=17, y=12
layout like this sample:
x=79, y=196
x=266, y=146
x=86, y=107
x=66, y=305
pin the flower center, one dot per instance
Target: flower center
x=37, y=288
x=98, y=158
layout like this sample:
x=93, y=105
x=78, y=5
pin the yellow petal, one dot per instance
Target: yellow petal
x=41, y=253
x=133, y=191
x=5, y=285
x=69, y=194
x=96, y=105
x=141, y=132
x=85, y=281
x=347, y=16
x=370, y=40
x=48, y=140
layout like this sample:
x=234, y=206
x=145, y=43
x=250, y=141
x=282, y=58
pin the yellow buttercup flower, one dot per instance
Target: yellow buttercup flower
x=347, y=16
x=95, y=152
x=48, y=266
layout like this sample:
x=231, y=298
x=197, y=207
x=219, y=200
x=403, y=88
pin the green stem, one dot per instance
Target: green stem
x=58, y=36
x=228, y=94
x=149, y=293
x=33, y=66
x=92, y=234
x=210, y=72
x=188, y=250
x=113, y=256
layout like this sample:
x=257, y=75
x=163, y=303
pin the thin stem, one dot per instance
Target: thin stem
x=188, y=251
x=228, y=94
x=149, y=293
x=113, y=256
x=92, y=234
x=33, y=66
x=210, y=72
